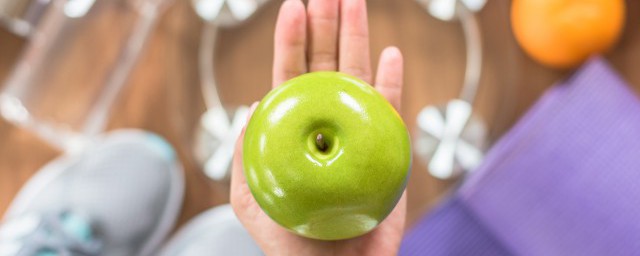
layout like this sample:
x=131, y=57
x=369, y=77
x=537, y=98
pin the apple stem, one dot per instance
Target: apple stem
x=320, y=143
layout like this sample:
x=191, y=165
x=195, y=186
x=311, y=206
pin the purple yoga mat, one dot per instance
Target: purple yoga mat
x=564, y=181
x=451, y=229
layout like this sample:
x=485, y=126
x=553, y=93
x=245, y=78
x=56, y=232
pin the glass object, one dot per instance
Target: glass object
x=451, y=138
x=22, y=16
x=226, y=13
x=220, y=125
x=446, y=9
x=80, y=56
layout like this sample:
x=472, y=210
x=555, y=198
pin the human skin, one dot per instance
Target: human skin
x=326, y=156
x=329, y=35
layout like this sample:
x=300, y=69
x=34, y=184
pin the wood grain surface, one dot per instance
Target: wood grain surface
x=163, y=92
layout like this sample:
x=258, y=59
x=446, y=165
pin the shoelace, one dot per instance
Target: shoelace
x=32, y=234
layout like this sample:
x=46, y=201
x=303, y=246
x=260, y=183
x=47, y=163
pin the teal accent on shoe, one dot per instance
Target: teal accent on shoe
x=162, y=146
x=77, y=226
x=46, y=253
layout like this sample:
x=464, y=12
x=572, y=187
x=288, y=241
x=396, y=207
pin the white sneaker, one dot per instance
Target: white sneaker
x=214, y=232
x=120, y=197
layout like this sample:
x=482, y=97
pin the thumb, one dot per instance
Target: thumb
x=238, y=181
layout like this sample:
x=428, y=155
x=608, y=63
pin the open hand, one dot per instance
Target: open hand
x=329, y=35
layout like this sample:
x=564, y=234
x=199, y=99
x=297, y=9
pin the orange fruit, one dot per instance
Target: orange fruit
x=564, y=33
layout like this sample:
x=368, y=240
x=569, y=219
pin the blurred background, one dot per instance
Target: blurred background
x=162, y=92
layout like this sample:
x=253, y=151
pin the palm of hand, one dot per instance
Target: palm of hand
x=330, y=35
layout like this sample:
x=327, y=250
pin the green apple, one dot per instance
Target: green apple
x=326, y=156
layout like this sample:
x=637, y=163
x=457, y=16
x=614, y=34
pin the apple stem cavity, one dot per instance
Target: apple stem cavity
x=321, y=144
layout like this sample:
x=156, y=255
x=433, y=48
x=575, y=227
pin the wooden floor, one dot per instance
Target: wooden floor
x=163, y=93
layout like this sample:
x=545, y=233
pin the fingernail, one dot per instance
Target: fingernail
x=254, y=106
x=393, y=51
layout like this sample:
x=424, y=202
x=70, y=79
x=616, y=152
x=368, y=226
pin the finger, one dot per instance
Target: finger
x=390, y=76
x=289, y=58
x=395, y=222
x=400, y=211
x=354, y=39
x=238, y=181
x=388, y=235
x=323, y=17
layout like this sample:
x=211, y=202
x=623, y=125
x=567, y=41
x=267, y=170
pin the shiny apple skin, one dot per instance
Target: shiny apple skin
x=344, y=191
